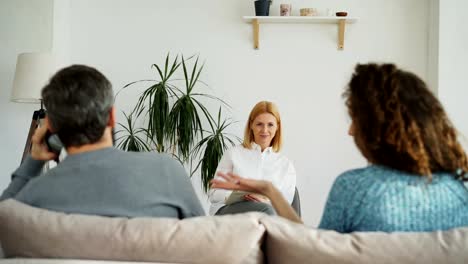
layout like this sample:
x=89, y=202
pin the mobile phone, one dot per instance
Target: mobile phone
x=53, y=142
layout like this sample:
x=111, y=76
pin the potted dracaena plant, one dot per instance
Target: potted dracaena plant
x=175, y=120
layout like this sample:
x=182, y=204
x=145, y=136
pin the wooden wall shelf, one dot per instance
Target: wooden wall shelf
x=340, y=21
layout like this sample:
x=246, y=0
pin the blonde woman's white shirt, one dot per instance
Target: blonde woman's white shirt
x=255, y=164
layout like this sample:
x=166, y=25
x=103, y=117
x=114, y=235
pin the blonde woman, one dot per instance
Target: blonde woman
x=258, y=158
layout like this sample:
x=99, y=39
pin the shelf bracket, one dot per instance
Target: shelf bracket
x=256, y=31
x=341, y=31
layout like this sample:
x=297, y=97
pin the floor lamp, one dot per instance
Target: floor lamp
x=33, y=71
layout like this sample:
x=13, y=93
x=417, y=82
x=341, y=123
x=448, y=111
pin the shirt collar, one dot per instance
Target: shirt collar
x=255, y=146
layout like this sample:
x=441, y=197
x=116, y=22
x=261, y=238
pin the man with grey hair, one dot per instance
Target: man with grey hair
x=96, y=178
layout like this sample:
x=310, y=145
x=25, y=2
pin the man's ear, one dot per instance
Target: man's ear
x=111, y=122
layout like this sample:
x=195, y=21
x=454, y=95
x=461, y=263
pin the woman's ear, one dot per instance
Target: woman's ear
x=352, y=129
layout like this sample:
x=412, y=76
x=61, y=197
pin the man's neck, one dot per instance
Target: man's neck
x=88, y=147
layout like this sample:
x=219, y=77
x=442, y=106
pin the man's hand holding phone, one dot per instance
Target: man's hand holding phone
x=39, y=149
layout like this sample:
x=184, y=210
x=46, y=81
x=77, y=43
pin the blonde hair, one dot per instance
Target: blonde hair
x=262, y=108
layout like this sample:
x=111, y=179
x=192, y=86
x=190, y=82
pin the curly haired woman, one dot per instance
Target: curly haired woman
x=417, y=167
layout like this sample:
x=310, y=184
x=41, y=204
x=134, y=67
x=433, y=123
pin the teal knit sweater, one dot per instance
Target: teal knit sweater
x=377, y=198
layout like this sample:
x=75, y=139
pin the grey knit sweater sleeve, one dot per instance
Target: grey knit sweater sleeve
x=28, y=170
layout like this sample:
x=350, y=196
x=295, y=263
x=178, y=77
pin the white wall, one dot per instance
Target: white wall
x=297, y=66
x=453, y=57
x=61, y=31
x=25, y=26
x=433, y=46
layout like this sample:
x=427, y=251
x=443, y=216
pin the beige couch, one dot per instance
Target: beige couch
x=44, y=237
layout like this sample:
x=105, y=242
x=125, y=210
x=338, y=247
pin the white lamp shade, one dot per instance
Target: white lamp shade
x=33, y=71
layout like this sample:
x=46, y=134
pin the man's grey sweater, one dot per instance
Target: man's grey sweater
x=108, y=182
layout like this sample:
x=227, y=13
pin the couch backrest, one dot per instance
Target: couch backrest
x=26, y=231
x=287, y=242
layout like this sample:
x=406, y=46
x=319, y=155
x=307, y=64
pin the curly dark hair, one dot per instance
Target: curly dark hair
x=400, y=124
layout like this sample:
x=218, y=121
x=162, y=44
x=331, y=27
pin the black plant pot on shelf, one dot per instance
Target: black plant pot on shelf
x=262, y=7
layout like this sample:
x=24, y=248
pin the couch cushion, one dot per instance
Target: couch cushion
x=287, y=242
x=27, y=231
